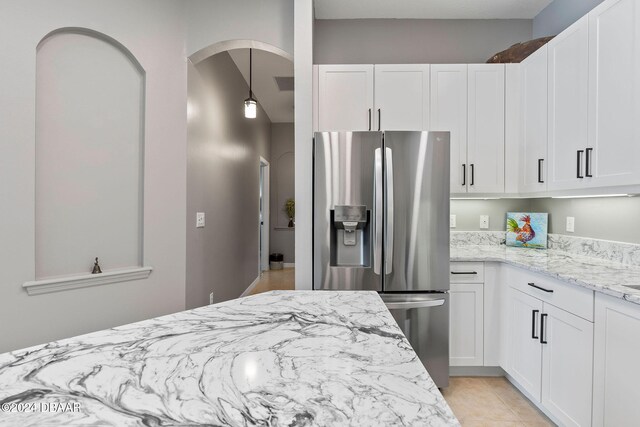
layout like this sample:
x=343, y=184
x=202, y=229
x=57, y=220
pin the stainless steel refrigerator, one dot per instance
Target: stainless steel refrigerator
x=381, y=222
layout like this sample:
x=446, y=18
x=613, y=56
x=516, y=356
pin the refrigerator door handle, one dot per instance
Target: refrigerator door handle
x=388, y=254
x=414, y=304
x=377, y=212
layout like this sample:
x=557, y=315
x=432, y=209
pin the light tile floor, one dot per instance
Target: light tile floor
x=476, y=401
x=491, y=401
x=272, y=280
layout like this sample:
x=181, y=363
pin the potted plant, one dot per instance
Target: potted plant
x=290, y=210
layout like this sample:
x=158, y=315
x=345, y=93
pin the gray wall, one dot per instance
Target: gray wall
x=223, y=161
x=559, y=15
x=406, y=41
x=608, y=218
x=282, y=187
x=154, y=33
x=468, y=212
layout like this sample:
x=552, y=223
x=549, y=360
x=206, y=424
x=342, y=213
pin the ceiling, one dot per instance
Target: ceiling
x=429, y=9
x=266, y=67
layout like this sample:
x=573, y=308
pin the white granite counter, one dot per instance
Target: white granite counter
x=284, y=358
x=599, y=274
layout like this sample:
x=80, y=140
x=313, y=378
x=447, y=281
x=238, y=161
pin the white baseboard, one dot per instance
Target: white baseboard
x=250, y=287
x=289, y=265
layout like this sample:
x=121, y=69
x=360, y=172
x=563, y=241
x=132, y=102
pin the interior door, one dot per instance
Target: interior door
x=525, y=354
x=401, y=97
x=416, y=232
x=345, y=95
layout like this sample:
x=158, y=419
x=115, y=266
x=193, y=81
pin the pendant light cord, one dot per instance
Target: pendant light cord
x=250, y=72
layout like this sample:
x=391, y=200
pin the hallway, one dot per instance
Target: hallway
x=272, y=280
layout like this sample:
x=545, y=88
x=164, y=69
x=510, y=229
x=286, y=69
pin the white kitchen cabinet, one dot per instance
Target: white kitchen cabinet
x=524, y=360
x=401, y=97
x=449, y=113
x=614, y=94
x=533, y=125
x=512, y=107
x=616, y=369
x=466, y=341
x=567, y=360
x=568, y=65
x=345, y=97
x=485, y=133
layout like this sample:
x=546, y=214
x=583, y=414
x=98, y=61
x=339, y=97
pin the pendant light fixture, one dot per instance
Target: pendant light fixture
x=250, y=105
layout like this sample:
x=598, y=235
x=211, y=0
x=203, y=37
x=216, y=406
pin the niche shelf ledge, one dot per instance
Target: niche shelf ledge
x=46, y=286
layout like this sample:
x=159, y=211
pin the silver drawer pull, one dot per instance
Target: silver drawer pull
x=414, y=304
x=464, y=272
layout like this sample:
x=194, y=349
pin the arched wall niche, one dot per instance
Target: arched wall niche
x=89, y=150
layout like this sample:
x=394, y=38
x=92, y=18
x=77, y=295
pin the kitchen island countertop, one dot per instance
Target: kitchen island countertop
x=294, y=358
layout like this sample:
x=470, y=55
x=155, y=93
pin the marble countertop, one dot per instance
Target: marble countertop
x=600, y=275
x=283, y=358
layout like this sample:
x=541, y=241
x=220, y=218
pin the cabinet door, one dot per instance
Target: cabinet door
x=616, y=368
x=567, y=362
x=449, y=113
x=614, y=93
x=345, y=97
x=534, y=121
x=401, y=97
x=466, y=324
x=485, y=134
x=524, y=352
x=568, y=55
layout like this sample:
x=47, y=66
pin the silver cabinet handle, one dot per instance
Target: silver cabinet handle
x=379, y=119
x=388, y=264
x=414, y=304
x=377, y=211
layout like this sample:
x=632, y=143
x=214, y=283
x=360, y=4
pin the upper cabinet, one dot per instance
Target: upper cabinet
x=568, y=56
x=401, y=97
x=485, y=128
x=449, y=113
x=533, y=122
x=345, y=97
x=613, y=154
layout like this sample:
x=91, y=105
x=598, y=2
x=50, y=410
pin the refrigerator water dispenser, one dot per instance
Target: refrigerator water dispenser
x=350, y=236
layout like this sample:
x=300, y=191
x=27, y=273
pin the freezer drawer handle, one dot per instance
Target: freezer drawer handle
x=464, y=272
x=533, y=285
x=414, y=304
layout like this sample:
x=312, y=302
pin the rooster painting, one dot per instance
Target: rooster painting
x=524, y=233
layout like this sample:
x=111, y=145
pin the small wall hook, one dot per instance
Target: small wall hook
x=96, y=267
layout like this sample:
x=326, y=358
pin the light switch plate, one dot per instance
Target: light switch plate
x=199, y=219
x=452, y=221
x=484, y=221
x=571, y=224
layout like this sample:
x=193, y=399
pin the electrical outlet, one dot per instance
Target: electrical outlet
x=199, y=219
x=571, y=224
x=484, y=221
x=211, y=298
x=452, y=221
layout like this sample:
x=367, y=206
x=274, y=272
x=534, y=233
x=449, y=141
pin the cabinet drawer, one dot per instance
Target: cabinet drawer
x=571, y=298
x=466, y=272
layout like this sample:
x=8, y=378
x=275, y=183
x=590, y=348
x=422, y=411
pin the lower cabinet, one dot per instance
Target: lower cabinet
x=616, y=369
x=550, y=356
x=466, y=325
